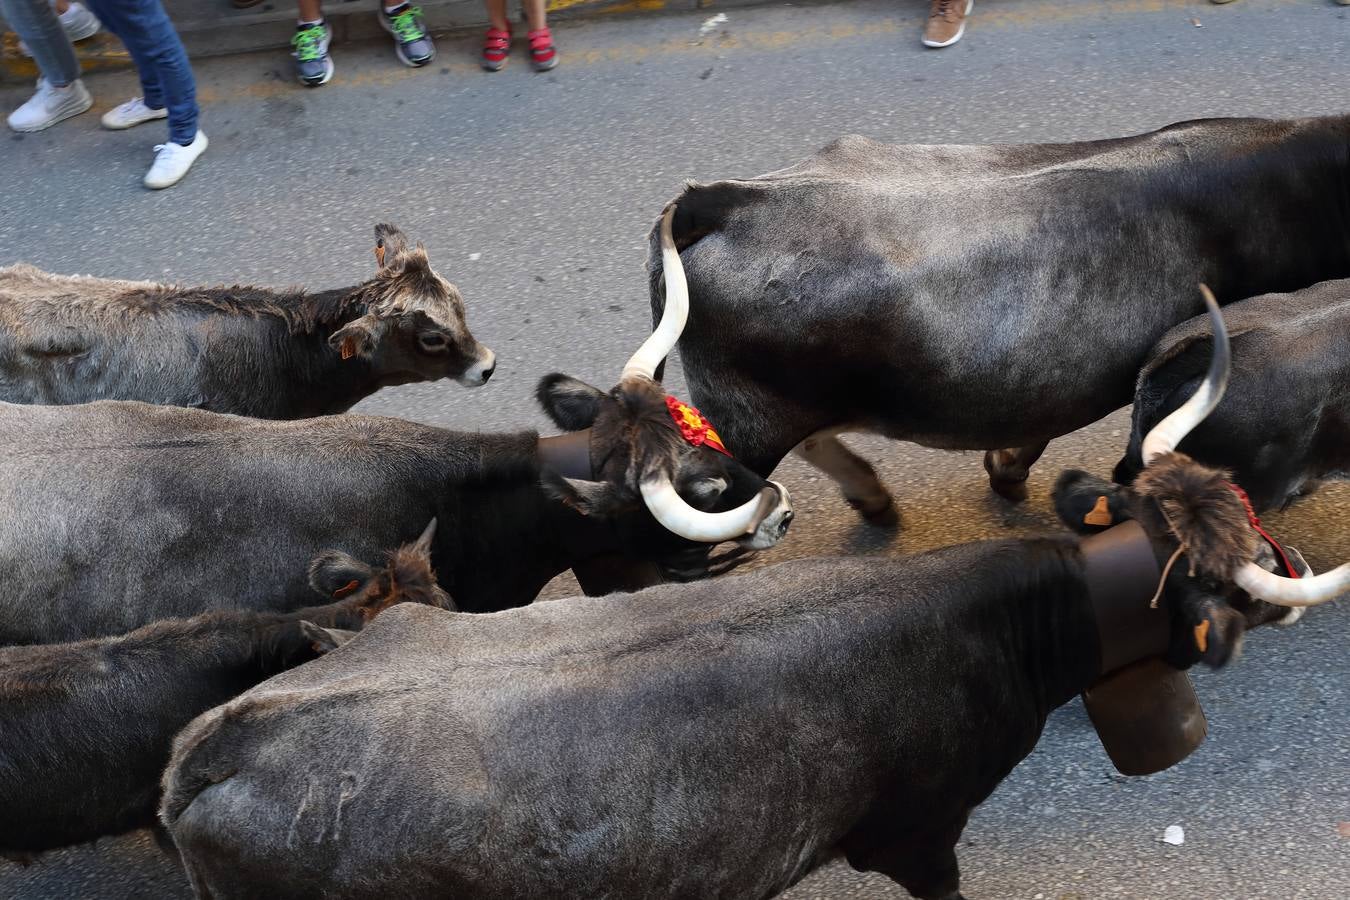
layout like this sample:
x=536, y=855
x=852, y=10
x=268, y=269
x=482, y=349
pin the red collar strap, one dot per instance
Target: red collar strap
x=1256, y=524
x=694, y=428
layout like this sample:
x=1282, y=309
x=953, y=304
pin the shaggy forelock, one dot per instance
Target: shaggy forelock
x=1196, y=504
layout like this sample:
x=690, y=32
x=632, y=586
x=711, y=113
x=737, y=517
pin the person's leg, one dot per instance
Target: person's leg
x=37, y=26
x=412, y=41
x=496, y=10
x=497, y=42
x=166, y=75
x=312, y=39
x=543, y=55
x=60, y=93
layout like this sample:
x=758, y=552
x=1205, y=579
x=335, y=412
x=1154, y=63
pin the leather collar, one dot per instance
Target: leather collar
x=1122, y=574
x=568, y=454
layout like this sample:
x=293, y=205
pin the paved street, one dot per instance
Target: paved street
x=534, y=193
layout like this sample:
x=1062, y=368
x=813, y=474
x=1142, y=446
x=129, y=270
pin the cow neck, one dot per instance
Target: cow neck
x=1122, y=574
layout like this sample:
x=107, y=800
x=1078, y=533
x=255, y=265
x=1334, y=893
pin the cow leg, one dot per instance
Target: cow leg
x=1008, y=470
x=855, y=476
x=924, y=864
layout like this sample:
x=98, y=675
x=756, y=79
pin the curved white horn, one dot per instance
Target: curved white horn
x=682, y=519
x=1283, y=591
x=661, y=341
x=1170, y=432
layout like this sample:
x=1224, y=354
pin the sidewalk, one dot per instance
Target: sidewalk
x=215, y=28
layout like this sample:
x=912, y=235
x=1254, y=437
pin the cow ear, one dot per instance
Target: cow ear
x=356, y=338
x=390, y=244
x=1088, y=504
x=324, y=640
x=572, y=405
x=335, y=574
x=1206, y=629
x=590, y=498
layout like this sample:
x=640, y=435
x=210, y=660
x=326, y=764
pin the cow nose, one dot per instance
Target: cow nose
x=785, y=522
x=487, y=373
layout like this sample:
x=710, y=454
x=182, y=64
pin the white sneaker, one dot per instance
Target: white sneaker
x=50, y=105
x=133, y=112
x=172, y=162
x=77, y=22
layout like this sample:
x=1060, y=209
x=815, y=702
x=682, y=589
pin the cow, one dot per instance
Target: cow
x=119, y=513
x=983, y=297
x=717, y=739
x=245, y=350
x=86, y=727
x=1284, y=424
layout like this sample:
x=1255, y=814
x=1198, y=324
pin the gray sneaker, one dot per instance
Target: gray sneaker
x=312, y=63
x=412, y=42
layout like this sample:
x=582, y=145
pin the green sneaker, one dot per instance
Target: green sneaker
x=412, y=42
x=312, y=63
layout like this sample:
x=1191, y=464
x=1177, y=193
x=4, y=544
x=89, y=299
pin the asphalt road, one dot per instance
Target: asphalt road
x=534, y=192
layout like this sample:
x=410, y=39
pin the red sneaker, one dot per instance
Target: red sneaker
x=543, y=56
x=495, y=47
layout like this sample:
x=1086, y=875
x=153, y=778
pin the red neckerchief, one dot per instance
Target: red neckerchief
x=694, y=428
x=1256, y=524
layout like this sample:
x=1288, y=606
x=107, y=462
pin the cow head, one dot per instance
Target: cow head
x=640, y=454
x=407, y=577
x=413, y=328
x=1218, y=582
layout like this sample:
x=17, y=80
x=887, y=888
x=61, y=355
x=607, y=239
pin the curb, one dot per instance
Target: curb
x=215, y=28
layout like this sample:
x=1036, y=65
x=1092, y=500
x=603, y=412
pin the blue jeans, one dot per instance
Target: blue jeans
x=36, y=23
x=166, y=76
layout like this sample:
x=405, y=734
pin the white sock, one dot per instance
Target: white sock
x=302, y=23
x=389, y=9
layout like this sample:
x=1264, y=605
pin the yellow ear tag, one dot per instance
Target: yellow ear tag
x=1202, y=636
x=1101, y=513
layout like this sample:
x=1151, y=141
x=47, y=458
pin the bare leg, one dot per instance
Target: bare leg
x=1008, y=470
x=497, y=14
x=310, y=10
x=61, y=7
x=534, y=13
x=855, y=476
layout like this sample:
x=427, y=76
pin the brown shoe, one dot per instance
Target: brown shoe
x=946, y=22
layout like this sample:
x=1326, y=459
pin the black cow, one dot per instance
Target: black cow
x=1284, y=423
x=121, y=513
x=245, y=350
x=984, y=297
x=86, y=728
x=710, y=740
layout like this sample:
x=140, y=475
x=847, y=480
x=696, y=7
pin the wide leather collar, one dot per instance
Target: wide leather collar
x=1122, y=574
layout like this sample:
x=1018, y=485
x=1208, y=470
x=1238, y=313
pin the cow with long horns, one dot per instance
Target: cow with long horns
x=983, y=297
x=120, y=513
x=718, y=739
x=1284, y=424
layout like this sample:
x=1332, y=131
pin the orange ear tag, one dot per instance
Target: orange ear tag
x=347, y=351
x=1101, y=513
x=1202, y=636
x=379, y=255
x=347, y=588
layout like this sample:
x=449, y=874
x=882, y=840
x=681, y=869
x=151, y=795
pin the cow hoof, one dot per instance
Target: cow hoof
x=1012, y=491
x=880, y=511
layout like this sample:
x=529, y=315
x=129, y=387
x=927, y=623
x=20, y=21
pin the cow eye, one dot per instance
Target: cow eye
x=432, y=341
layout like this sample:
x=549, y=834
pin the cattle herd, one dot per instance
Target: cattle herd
x=221, y=621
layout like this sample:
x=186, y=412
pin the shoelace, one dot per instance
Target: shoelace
x=405, y=25
x=306, y=42
x=944, y=9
